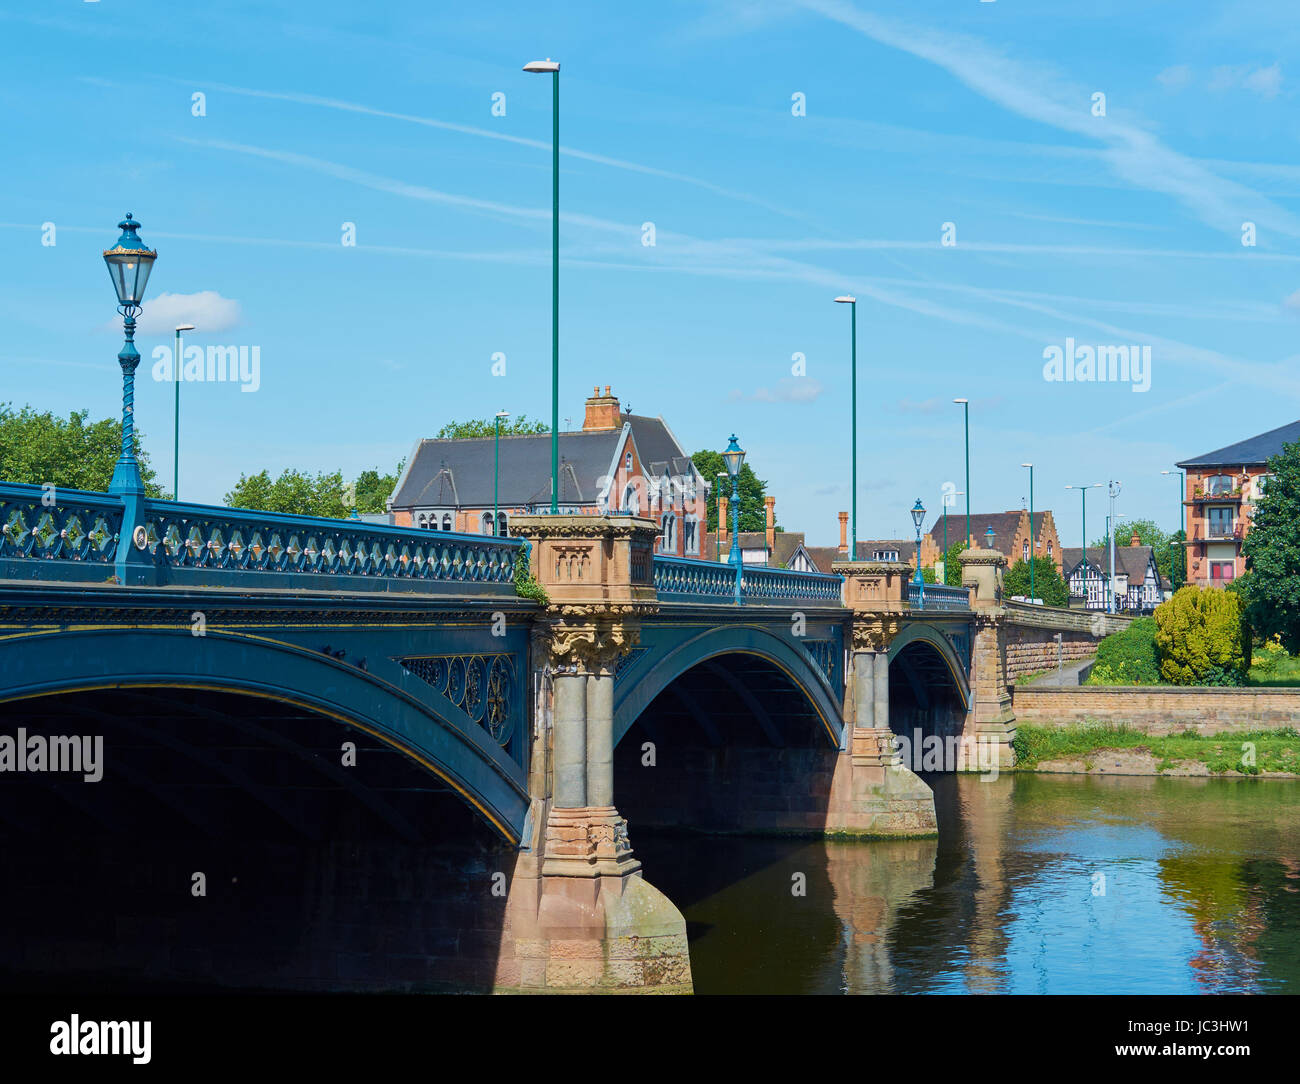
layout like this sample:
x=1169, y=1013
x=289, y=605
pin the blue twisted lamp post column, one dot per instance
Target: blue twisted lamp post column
x=734, y=458
x=918, y=517
x=129, y=263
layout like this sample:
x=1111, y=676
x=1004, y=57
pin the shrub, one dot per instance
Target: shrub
x=526, y=585
x=1270, y=657
x=1128, y=657
x=1201, y=639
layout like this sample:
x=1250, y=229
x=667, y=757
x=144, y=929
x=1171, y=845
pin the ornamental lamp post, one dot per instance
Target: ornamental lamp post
x=496, y=474
x=176, y=427
x=989, y=536
x=543, y=67
x=852, y=302
x=918, y=517
x=734, y=458
x=129, y=263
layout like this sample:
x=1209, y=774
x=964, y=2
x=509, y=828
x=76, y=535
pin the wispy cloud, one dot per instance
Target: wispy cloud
x=207, y=310
x=1040, y=93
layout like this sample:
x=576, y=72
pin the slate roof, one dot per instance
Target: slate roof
x=1256, y=449
x=906, y=548
x=1004, y=524
x=1130, y=561
x=460, y=472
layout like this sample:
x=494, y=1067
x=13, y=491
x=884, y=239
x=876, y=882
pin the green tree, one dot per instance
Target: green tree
x=1048, y=584
x=293, y=493
x=952, y=565
x=486, y=427
x=1272, y=549
x=1202, y=638
x=373, y=489
x=40, y=448
x=753, y=515
x=1177, y=559
x=1149, y=534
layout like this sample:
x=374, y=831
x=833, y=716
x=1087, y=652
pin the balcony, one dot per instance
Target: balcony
x=1217, y=532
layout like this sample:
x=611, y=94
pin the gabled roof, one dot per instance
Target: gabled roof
x=1254, y=450
x=1130, y=561
x=1004, y=524
x=461, y=472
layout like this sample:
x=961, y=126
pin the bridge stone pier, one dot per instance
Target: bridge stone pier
x=581, y=916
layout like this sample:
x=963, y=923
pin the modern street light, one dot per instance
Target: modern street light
x=944, y=503
x=965, y=409
x=717, y=535
x=918, y=517
x=129, y=263
x=1110, y=535
x=734, y=458
x=1033, y=548
x=176, y=429
x=1083, y=492
x=496, y=475
x=543, y=67
x=1182, y=496
x=852, y=302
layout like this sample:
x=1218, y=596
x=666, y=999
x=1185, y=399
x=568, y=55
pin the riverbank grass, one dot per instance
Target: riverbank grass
x=1275, y=750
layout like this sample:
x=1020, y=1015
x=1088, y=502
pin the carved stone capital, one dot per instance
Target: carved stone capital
x=874, y=630
x=592, y=644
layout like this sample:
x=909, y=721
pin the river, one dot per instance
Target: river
x=1035, y=885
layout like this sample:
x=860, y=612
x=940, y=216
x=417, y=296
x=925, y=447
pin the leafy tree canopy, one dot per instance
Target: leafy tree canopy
x=1272, y=549
x=486, y=427
x=1149, y=534
x=40, y=448
x=1048, y=584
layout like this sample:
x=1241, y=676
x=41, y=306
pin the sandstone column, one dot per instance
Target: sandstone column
x=581, y=916
x=990, y=719
x=872, y=792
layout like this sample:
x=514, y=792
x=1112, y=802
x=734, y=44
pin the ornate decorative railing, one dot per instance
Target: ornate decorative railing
x=937, y=596
x=49, y=523
x=200, y=536
x=680, y=579
x=187, y=541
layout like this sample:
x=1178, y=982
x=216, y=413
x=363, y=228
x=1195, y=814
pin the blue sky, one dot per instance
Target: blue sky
x=1117, y=229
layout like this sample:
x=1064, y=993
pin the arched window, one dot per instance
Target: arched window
x=1219, y=485
x=424, y=521
x=1024, y=551
x=629, y=499
x=1049, y=549
x=489, y=525
x=446, y=522
x=501, y=524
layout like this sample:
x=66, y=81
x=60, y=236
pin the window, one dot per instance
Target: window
x=1218, y=485
x=501, y=524
x=489, y=525
x=1049, y=549
x=692, y=540
x=1219, y=521
x=629, y=499
x=627, y=461
x=1222, y=571
x=1261, y=485
x=446, y=522
x=1024, y=550
x=424, y=520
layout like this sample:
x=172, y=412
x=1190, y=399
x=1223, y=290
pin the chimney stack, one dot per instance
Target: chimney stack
x=723, y=521
x=844, y=535
x=602, y=411
x=770, y=504
x=1135, y=541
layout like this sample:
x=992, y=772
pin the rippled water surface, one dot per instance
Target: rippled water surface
x=1036, y=884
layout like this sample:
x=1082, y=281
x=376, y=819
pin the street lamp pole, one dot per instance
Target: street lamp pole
x=129, y=263
x=540, y=67
x=965, y=409
x=176, y=429
x=918, y=517
x=734, y=458
x=1182, y=496
x=496, y=475
x=1033, y=547
x=852, y=302
x=1113, y=488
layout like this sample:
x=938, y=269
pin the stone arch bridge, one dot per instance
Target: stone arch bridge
x=655, y=686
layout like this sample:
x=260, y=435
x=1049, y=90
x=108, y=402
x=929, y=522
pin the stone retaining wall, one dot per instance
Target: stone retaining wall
x=1161, y=709
x=1031, y=650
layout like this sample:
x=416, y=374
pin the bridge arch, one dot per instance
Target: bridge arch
x=652, y=676
x=929, y=687
x=920, y=632
x=54, y=662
